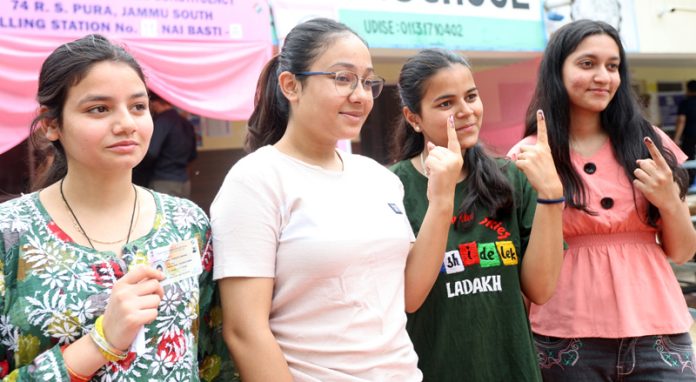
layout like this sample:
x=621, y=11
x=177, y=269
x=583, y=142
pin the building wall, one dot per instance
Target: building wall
x=662, y=31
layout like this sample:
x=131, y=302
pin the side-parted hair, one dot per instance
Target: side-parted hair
x=64, y=68
x=489, y=187
x=622, y=119
x=302, y=46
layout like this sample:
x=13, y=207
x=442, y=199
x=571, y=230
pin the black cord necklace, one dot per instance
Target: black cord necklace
x=82, y=230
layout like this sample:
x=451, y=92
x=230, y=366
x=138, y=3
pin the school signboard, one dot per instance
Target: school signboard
x=505, y=25
x=490, y=25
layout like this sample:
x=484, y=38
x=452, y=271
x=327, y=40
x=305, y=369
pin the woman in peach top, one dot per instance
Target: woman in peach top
x=618, y=312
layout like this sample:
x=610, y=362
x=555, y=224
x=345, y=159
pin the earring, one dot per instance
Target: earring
x=417, y=128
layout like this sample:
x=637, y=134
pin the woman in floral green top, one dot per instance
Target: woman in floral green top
x=102, y=280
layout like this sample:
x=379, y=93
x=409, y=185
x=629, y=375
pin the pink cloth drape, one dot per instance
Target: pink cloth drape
x=506, y=92
x=215, y=79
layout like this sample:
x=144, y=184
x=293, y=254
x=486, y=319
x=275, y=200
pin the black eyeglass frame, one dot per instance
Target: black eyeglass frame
x=354, y=86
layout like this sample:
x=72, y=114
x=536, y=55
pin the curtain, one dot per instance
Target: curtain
x=215, y=79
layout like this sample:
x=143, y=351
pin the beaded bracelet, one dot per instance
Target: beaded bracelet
x=105, y=348
x=551, y=201
x=74, y=376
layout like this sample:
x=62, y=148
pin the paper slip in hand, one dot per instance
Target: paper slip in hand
x=177, y=261
x=138, y=345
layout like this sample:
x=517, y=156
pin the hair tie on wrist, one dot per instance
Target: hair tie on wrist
x=551, y=201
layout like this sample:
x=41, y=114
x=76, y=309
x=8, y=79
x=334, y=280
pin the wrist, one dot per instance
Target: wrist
x=551, y=201
x=552, y=190
x=79, y=364
x=106, y=349
x=670, y=207
x=441, y=206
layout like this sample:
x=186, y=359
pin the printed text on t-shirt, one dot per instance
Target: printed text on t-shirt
x=495, y=226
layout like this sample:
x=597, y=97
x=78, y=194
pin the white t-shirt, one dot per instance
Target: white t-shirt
x=336, y=243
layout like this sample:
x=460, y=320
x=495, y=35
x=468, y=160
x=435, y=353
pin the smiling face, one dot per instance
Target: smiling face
x=591, y=74
x=106, y=124
x=318, y=108
x=450, y=91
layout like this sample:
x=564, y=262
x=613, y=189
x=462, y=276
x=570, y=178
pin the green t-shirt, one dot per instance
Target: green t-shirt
x=473, y=325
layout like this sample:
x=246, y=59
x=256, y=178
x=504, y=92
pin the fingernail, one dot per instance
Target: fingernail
x=540, y=113
x=451, y=120
x=647, y=140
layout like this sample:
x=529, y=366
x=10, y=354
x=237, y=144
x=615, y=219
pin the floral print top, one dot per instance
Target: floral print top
x=53, y=289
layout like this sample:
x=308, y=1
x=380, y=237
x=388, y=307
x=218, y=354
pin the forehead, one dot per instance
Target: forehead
x=454, y=79
x=344, y=50
x=598, y=44
x=107, y=78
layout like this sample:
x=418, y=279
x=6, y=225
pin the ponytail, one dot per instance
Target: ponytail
x=50, y=162
x=269, y=119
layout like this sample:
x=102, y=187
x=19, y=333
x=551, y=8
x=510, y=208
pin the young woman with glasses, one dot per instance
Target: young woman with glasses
x=313, y=249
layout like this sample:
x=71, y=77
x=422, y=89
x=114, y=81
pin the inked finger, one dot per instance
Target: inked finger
x=655, y=152
x=542, y=133
x=452, y=139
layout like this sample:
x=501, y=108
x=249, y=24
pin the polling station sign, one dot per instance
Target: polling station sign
x=166, y=19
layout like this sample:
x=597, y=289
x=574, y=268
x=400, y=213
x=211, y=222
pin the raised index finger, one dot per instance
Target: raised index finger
x=542, y=134
x=655, y=153
x=452, y=139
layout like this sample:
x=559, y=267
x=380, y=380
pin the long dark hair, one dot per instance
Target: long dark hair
x=302, y=46
x=622, y=119
x=64, y=68
x=489, y=188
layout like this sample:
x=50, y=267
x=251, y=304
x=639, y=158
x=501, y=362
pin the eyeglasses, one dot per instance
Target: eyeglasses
x=346, y=82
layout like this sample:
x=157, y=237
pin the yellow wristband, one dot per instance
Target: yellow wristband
x=105, y=348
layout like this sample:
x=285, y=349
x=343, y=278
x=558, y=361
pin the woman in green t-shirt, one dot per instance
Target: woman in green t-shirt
x=472, y=325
